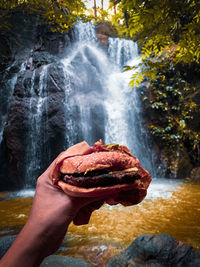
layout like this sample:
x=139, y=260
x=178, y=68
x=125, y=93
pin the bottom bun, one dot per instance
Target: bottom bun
x=125, y=194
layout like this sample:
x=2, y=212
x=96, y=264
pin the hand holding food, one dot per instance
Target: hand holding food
x=107, y=171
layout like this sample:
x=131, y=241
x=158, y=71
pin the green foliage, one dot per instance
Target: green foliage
x=164, y=28
x=59, y=14
x=172, y=100
x=158, y=25
x=116, y=21
x=168, y=33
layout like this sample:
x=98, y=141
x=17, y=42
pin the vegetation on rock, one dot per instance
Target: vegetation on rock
x=60, y=15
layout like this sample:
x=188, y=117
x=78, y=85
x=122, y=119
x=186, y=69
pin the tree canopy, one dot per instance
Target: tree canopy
x=60, y=14
x=165, y=26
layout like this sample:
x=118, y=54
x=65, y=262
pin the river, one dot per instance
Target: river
x=171, y=206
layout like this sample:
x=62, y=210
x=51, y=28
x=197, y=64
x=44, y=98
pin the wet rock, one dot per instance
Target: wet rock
x=63, y=261
x=177, y=166
x=42, y=58
x=156, y=250
x=33, y=46
x=103, y=39
x=54, y=43
x=5, y=243
x=195, y=173
x=105, y=30
x=184, y=164
x=23, y=111
x=14, y=137
x=51, y=261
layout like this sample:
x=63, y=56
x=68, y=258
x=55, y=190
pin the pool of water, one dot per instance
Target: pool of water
x=170, y=207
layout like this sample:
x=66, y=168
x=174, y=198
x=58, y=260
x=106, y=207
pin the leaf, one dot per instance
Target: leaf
x=182, y=123
x=136, y=79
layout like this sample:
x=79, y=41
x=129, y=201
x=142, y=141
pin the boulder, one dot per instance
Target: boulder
x=195, y=173
x=51, y=261
x=63, y=261
x=5, y=243
x=156, y=250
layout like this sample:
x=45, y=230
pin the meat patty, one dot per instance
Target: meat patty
x=102, y=178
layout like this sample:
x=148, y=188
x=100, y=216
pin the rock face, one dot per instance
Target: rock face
x=31, y=80
x=43, y=100
x=24, y=111
x=156, y=250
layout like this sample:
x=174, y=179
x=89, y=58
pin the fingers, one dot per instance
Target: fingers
x=84, y=214
x=45, y=175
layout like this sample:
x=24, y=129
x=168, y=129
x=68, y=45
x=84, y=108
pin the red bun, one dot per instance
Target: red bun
x=75, y=191
x=76, y=150
x=126, y=194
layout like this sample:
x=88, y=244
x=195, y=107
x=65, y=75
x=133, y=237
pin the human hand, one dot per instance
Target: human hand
x=52, y=212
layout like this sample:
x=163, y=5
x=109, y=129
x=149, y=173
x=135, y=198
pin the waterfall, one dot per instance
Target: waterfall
x=99, y=103
x=85, y=71
x=122, y=51
x=37, y=119
x=82, y=96
x=120, y=102
x=125, y=124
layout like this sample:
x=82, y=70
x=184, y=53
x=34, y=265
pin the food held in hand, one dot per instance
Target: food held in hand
x=107, y=171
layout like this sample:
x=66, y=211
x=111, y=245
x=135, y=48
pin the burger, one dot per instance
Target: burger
x=107, y=171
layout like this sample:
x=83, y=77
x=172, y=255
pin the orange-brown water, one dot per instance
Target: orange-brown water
x=112, y=229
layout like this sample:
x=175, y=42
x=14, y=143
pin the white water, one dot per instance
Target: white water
x=99, y=101
x=37, y=107
x=85, y=70
x=121, y=101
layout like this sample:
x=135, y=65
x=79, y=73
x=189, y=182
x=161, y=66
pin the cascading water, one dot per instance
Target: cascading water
x=85, y=71
x=117, y=103
x=99, y=101
x=125, y=124
x=37, y=119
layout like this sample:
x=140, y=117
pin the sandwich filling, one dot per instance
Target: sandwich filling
x=101, y=178
x=100, y=169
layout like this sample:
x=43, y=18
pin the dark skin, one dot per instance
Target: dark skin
x=52, y=212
